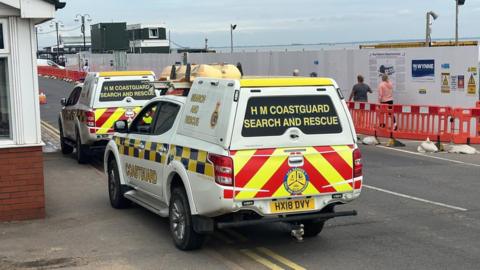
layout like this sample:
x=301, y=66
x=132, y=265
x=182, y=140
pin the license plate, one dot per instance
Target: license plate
x=285, y=206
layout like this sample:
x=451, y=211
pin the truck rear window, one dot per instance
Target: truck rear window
x=118, y=90
x=273, y=115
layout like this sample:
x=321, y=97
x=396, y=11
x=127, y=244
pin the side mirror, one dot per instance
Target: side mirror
x=121, y=126
x=63, y=101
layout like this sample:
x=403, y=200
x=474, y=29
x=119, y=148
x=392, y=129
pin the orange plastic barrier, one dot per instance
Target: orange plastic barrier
x=63, y=74
x=467, y=126
x=417, y=122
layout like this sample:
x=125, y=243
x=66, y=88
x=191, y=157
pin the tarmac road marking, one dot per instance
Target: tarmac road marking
x=50, y=132
x=50, y=127
x=261, y=260
x=415, y=198
x=423, y=155
x=281, y=259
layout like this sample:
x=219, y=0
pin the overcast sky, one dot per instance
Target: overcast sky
x=265, y=22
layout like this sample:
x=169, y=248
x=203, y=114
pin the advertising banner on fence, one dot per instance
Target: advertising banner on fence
x=423, y=70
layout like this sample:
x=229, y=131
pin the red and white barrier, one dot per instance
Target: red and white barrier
x=62, y=74
x=417, y=122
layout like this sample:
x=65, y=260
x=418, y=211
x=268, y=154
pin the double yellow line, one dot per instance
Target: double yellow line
x=261, y=255
x=53, y=131
x=256, y=254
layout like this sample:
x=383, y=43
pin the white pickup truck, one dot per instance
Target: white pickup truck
x=237, y=152
x=88, y=114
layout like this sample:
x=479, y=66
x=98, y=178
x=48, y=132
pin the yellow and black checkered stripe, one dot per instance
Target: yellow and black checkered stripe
x=192, y=159
x=156, y=152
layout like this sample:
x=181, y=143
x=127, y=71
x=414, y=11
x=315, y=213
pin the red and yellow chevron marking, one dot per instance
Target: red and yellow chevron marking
x=105, y=118
x=261, y=173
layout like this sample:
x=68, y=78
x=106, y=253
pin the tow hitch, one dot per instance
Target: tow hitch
x=298, y=231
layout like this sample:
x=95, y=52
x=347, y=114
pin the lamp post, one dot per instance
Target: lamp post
x=457, y=3
x=57, y=24
x=82, y=18
x=428, y=38
x=232, y=27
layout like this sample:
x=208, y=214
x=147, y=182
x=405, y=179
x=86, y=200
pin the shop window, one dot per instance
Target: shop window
x=4, y=101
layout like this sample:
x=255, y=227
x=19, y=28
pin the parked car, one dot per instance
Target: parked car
x=48, y=63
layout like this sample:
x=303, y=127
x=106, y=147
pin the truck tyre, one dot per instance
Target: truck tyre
x=312, y=228
x=82, y=156
x=115, y=188
x=66, y=149
x=181, y=227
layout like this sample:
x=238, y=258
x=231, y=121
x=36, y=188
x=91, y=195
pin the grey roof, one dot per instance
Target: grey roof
x=57, y=3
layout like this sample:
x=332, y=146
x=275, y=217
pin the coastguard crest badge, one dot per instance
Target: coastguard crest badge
x=296, y=181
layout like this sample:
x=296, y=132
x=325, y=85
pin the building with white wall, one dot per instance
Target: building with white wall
x=148, y=38
x=21, y=163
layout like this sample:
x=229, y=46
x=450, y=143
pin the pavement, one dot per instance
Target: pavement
x=416, y=211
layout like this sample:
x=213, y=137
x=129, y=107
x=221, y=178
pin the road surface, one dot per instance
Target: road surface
x=415, y=212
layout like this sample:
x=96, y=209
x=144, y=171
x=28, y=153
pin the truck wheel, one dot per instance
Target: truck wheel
x=115, y=189
x=312, y=228
x=181, y=227
x=66, y=149
x=82, y=156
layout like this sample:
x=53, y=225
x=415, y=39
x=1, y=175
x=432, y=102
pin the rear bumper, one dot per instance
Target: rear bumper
x=302, y=217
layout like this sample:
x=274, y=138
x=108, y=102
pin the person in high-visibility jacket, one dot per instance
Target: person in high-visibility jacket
x=147, y=119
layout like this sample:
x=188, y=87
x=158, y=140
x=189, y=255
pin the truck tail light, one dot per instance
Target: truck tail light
x=223, y=168
x=357, y=163
x=90, y=118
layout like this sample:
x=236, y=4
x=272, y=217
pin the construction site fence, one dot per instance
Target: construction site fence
x=62, y=74
x=417, y=122
x=413, y=122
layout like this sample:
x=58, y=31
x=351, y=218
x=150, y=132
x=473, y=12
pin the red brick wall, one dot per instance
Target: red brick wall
x=21, y=184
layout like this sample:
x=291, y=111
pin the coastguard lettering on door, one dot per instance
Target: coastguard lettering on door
x=141, y=173
x=192, y=118
x=270, y=116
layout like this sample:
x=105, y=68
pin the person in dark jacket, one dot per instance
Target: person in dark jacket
x=360, y=91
